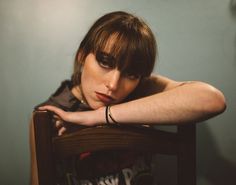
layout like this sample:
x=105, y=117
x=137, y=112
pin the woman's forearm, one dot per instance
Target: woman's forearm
x=190, y=102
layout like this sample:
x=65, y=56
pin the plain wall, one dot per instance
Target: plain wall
x=38, y=41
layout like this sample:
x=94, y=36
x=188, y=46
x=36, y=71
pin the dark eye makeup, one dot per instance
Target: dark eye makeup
x=105, y=60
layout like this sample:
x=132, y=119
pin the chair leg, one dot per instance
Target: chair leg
x=186, y=159
x=43, y=139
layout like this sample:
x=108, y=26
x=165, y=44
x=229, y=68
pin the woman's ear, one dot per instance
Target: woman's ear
x=79, y=57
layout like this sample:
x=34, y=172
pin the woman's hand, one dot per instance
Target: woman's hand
x=61, y=114
x=59, y=125
x=86, y=118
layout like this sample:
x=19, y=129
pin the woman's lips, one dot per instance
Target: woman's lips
x=104, y=98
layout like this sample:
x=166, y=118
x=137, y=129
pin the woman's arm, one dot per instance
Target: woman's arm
x=171, y=102
x=158, y=100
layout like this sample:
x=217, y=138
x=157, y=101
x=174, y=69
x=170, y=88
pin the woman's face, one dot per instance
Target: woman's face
x=103, y=84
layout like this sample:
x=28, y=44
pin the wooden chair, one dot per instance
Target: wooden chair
x=181, y=144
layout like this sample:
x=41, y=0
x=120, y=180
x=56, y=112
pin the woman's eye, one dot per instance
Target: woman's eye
x=105, y=63
x=104, y=60
x=132, y=76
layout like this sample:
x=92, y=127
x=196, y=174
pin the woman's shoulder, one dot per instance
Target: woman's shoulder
x=62, y=97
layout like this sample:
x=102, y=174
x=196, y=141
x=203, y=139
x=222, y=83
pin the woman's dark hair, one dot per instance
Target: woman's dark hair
x=133, y=44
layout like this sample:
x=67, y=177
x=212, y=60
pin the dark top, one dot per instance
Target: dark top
x=99, y=168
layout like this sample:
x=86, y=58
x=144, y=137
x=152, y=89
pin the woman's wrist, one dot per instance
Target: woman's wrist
x=108, y=115
x=99, y=116
x=103, y=116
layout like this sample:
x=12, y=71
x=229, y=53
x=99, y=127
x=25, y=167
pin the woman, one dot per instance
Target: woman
x=112, y=84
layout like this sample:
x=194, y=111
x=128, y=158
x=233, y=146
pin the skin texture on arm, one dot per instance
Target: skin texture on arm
x=169, y=102
x=157, y=100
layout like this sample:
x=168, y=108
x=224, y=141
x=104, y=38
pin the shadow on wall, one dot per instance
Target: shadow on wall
x=232, y=8
x=212, y=165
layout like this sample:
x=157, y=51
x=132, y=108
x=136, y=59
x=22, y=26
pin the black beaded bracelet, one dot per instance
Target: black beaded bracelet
x=106, y=115
x=109, y=114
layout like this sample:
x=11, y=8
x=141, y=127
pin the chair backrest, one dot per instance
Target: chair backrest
x=48, y=147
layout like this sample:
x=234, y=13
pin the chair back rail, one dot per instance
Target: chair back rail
x=116, y=137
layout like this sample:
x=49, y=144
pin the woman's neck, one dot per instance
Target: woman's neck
x=76, y=91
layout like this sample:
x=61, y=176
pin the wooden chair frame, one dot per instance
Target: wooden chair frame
x=181, y=144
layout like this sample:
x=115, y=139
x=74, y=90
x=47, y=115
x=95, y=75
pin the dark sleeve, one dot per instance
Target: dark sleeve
x=62, y=98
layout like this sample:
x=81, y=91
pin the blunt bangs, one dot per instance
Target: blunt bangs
x=128, y=51
x=130, y=48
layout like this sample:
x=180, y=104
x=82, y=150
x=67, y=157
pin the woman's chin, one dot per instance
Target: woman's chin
x=96, y=105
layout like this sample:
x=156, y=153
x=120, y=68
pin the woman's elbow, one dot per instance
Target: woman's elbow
x=217, y=102
x=221, y=103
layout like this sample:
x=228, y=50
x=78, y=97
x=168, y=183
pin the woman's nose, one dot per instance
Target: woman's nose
x=113, y=80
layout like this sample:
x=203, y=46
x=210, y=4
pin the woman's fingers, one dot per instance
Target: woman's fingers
x=59, y=112
x=72, y=117
x=54, y=109
x=56, y=117
x=61, y=131
x=59, y=123
x=60, y=117
x=60, y=127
